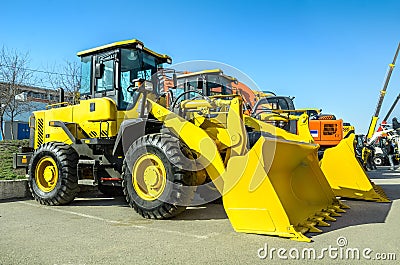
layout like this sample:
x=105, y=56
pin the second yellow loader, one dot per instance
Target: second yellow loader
x=344, y=173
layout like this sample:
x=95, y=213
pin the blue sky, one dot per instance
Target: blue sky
x=332, y=55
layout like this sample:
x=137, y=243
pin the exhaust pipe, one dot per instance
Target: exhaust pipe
x=61, y=95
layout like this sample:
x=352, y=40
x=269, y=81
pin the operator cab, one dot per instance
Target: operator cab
x=273, y=105
x=203, y=83
x=108, y=71
x=209, y=82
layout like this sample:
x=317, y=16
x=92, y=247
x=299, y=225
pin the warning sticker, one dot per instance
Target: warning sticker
x=314, y=133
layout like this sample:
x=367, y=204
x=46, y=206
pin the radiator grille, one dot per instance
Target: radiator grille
x=330, y=129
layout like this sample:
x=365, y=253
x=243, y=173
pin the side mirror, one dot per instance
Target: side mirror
x=99, y=70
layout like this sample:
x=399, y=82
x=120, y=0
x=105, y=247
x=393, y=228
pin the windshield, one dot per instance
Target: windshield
x=273, y=104
x=134, y=64
x=217, y=85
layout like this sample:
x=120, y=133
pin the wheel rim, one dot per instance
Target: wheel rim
x=378, y=161
x=149, y=177
x=46, y=174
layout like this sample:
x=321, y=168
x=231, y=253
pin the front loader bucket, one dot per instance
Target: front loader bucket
x=346, y=176
x=282, y=193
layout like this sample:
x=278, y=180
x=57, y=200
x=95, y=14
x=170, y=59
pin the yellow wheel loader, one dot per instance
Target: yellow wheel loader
x=343, y=171
x=339, y=162
x=122, y=133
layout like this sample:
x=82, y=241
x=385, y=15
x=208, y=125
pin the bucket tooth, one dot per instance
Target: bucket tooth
x=302, y=229
x=381, y=192
x=320, y=221
x=332, y=212
x=342, y=205
x=298, y=236
x=326, y=216
x=336, y=208
x=311, y=227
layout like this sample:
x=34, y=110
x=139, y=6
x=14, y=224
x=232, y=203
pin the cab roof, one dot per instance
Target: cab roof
x=209, y=72
x=134, y=43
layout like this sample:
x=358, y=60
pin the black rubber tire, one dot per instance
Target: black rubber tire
x=66, y=160
x=174, y=156
x=379, y=161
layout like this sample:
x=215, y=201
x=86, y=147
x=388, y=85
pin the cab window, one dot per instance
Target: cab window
x=106, y=83
x=134, y=64
x=86, y=68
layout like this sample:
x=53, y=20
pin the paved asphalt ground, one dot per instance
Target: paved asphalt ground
x=98, y=230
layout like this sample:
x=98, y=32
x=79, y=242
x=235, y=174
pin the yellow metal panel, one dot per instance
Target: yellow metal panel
x=59, y=114
x=100, y=129
x=96, y=115
x=98, y=121
x=55, y=134
x=96, y=109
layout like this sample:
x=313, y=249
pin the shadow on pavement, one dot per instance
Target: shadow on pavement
x=16, y=200
x=361, y=212
x=364, y=212
x=211, y=211
x=391, y=190
x=95, y=198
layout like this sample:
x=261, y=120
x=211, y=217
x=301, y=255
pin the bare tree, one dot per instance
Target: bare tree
x=5, y=98
x=68, y=77
x=13, y=75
